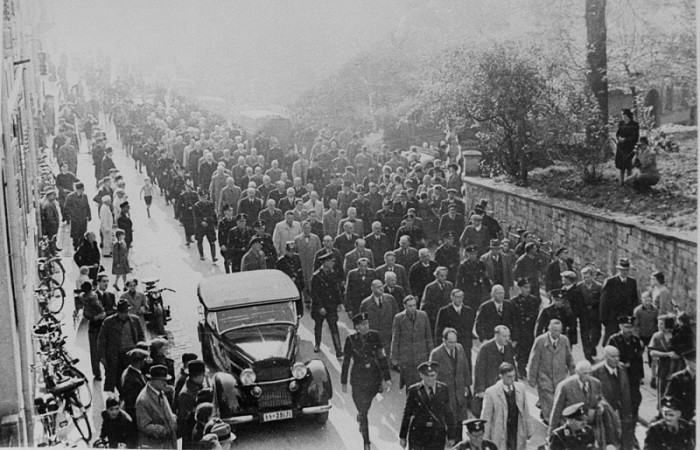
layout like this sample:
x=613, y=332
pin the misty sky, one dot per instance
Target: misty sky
x=270, y=49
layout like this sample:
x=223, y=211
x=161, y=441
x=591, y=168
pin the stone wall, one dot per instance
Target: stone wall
x=597, y=236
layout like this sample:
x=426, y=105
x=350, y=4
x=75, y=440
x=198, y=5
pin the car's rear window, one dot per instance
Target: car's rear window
x=256, y=315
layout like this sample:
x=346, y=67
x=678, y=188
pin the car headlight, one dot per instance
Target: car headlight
x=247, y=377
x=299, y=371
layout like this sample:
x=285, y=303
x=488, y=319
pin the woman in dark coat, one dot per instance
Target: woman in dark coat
x=627, y=137
x=88, y=254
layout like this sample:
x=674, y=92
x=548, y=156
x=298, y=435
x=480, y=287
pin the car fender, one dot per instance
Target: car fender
x=320, y=387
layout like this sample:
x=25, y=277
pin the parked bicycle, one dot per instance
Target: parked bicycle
x=50, y=297
x=51, y=268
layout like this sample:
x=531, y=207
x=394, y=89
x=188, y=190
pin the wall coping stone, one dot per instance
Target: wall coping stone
x=683, y=236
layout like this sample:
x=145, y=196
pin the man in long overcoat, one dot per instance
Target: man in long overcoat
x=615, y=386
x=436, y=295
x=358, y=286
x=498, y=401
x=155, y=419
x=112, y=345
x=618, y=297
x=550, y=363
x=460, y=317
x=454, y=371
x=411, y=341
x=307, y=244
x=77, y=209
x=492, y=354
x=381, y=309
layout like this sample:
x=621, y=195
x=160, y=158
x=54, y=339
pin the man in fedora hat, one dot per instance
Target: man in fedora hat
x=156, y=422
x=78, y=213
x=50, y=221
x=619, y=297
x=119, y=333
x=187, y=397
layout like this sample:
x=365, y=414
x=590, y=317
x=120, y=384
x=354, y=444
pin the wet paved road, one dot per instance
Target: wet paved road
x=159, y=252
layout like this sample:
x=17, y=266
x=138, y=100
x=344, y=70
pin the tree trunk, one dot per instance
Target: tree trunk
x=596, y=53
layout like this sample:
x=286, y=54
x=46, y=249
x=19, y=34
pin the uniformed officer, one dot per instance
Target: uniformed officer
x=557, y=310
x=474, y=429
x=670, y=432
x=186, y=204
x=290, y=263
x=225, y=225
x=527, y=308
x=326, y=300
x=369, y=370
x=254, y=259
x=238, y=241
x=205, y=224
x=631, y=350
x=268, y=247
x=472, y=278
x=447, y=255
x=575, y=433
x=681, y=385
x=427, y=417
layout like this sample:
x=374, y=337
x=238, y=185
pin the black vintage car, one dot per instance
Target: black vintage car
x=248, y=333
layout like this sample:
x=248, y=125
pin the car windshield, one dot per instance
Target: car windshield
x=262, y=342
x=256, y=315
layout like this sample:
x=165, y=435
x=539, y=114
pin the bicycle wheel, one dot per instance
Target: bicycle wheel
x=56, y=271
x=55, y=300
x=84, y=392
x=78, y=413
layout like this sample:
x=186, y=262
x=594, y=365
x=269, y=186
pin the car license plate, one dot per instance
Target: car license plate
x=277, y=415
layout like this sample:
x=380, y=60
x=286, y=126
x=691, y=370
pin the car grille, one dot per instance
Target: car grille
x=273, y=373
x=274, y=396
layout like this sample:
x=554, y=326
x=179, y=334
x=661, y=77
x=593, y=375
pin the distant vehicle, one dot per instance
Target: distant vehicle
x=248, y=334
x=273, y=123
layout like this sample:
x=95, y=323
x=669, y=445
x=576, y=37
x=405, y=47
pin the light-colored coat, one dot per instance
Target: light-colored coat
x=307, y=253
x=457, y=376
x=331, y=219
x=495, y=412
x=106, y=229
x=156, y=422
x=283, y=233
x=411, y=343
x=381, y=319
x=548, y=367
x=353, y=256
x=230, y=195
x=569, y=393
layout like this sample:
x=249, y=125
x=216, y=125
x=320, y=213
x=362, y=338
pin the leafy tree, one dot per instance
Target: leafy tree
x=498, y=91
x=575, y=133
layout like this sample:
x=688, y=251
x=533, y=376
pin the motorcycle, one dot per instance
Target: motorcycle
x=156, y=315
